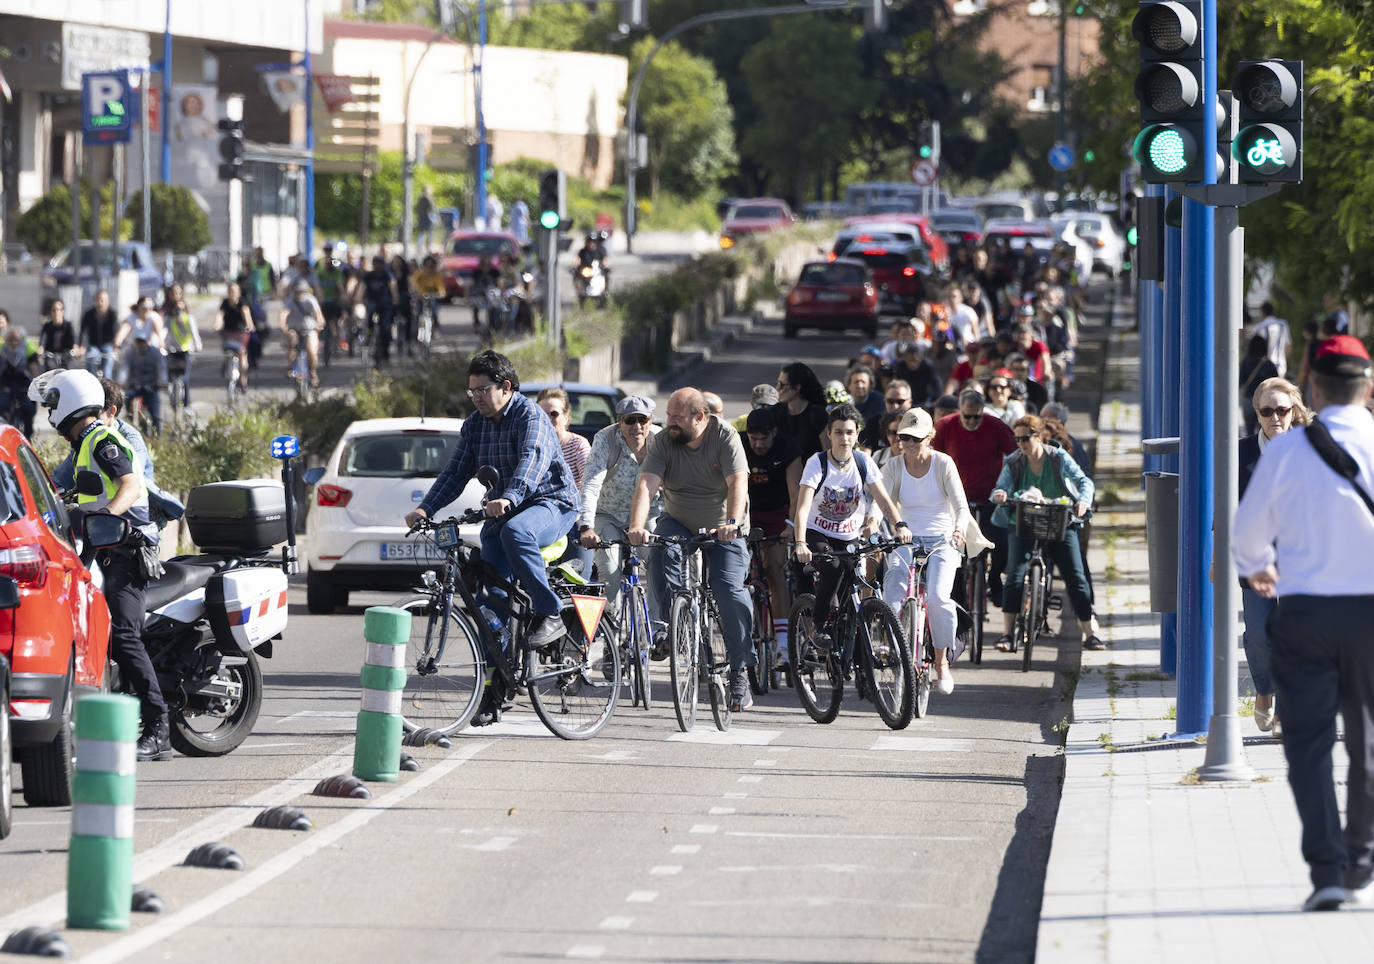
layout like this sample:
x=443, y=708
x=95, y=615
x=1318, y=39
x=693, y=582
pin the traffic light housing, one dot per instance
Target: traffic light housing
x=552, y=194
x=1268, y=146
x=1170, y=89
x=928, y=142
x=634, y=15
x=231, y=150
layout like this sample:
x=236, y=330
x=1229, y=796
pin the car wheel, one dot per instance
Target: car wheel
x=6, y=751
x=320, y=595
x=48, y=769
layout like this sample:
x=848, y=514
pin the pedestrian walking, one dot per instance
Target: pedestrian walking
x=1302, y=535
x=1278, y=338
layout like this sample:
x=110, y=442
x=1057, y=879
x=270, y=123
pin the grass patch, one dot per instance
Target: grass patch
x=1191, y=779
x=1172, y=714
x=1144, y=675
x=1247, y=707
x=1111, y=573
x=1104, y=740
x=1108, y=494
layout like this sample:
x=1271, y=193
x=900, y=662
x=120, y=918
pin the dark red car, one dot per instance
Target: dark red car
x=899, y=273
x=832, y=296
x=464, y=250
x=754, y=216
x=57, y=640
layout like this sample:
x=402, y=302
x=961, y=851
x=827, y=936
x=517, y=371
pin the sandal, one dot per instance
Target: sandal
x=1093, y=642
x=1004, y=644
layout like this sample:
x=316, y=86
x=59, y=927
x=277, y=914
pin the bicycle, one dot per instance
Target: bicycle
x=864, y=627
x=300, y=365
x=976, y=591
x=427, y=320
x=176, y=386
x=633, y=625
x=1040, y=522
x=454, y=652
x=764, y=674
x=692, y=621
x=232, y=374
x=914, y=617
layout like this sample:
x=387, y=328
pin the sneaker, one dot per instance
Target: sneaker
x=658, y=648
x=489, y=712
x=741, y=696
x=1326, y=898
x=946, y=681
x=156, y=741
x=544, y=630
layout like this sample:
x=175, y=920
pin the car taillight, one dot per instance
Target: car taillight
x=26, y=565
x=332, y=495
x=908, y=272
x=874, y=251
x=831, y=256
x=1099, y=242
x=798, y=296
x=971, y=236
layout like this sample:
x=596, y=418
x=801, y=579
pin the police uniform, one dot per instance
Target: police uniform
x=103, y=450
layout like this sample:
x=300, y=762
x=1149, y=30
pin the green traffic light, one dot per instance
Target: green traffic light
x=549, y=220
x=1168, y=152
x=926, y=150
x=1131, y=235
x=1089, y=156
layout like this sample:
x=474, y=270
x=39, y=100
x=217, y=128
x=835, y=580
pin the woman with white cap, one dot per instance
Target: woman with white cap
x=925, y=485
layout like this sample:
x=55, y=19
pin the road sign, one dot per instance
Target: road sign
x=107, y=107
x=925, y=172
x=1061, y=156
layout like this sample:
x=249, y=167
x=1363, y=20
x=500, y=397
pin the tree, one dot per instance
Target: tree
x=684, y=109
x=559, y=26
x=175, y=219
x=46, y=227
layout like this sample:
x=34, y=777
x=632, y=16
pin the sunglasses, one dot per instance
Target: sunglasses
x=1022, y=438
x=1267, y=412
x=993, y=386
x=971, y=418
x=898, y=401
x=636, y=420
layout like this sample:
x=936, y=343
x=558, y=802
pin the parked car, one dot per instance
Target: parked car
x=133, y=256
x=356, y=535
x=834, y=295
x=1105, y=243
x=592, y=407
x=754, y=216
x=957, y=225
x=939, y=250
x=464, y=250
x=900, y=271
x=57, y=640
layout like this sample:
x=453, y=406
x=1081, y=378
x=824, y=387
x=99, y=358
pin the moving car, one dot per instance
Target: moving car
x=133, y=256
x=900, y=272
x=356, y=534
x=939, y=250
x=57, y=640
x=957, y=225
x=754, y=216
x=464, y=250
x=834, y=295
x=877, y=232
x=592, y=406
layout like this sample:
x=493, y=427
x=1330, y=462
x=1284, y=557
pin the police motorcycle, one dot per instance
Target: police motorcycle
x=211, y=616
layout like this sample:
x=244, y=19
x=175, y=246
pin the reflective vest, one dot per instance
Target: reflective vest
x=331, y=279
x=138, y=513
x=179, y=331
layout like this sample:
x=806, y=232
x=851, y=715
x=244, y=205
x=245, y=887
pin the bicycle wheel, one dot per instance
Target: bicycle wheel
x=978, y=608
x=761, y=673
x=883, y=654
x=574, y=683
x=815, y=675
x=442, y=689
x=640, y=645
x=682, y=635
x=913, y=623
x=1031, y=612
x=716, y=688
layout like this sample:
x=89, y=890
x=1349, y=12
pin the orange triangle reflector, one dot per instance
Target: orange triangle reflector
x=589, y=610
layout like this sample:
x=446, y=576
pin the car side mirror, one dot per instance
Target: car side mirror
x=103, y=530
x=313, y=474
x=89, y=483
x=9, y=593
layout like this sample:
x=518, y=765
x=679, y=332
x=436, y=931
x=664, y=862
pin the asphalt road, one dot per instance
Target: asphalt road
x=780, y=840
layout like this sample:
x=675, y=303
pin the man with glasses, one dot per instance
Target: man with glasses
x=896, y=401
x=534, y=486
x=978, y=443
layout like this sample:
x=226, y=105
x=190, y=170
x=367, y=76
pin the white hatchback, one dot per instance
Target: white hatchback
x=355, y=529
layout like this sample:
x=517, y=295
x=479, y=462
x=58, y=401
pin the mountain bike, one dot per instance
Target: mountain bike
x=1039, y=522
x=693, y=622
x=455, y=650
x=632, y=626
x=862, y=627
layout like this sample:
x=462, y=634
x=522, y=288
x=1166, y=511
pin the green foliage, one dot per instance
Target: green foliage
x=656, y=298
x=559, y=26
x=396, y=11
x=176, y=220
x=46, y=227
x=231, y=445
x=339, y=200
x=585, y=330
x=670, y=212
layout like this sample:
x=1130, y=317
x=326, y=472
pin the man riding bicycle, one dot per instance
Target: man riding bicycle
x=699, y=462
x=302, y=321
x=775, y=467
x=537, y=501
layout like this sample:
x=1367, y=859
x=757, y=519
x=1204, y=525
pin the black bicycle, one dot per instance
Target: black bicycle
x=693, y=623
x=1038, y=522
x=862, y=627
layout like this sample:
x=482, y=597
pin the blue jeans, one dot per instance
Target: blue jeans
x=512, y=549
x=727, y=571
x=100, y=360
x=1256, y=638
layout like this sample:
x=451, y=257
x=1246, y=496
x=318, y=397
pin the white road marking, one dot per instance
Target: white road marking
x=266, y=746
x=736, y=796
x=735, y=736
x=751, y=778
x=495, y=843
x=321, y=715
x=585, y=952
x=720, y=811
x=686, y=848
x=765, y=763
x=666, y=870
x=779, y=749
x=642, y=897
x=517, y=725
x=791, y=868
x=775, y=835
x=919, y=744
x=703, y=828
x=613, y=755
x=283, y=862
x=616, y=924
x=813, y=902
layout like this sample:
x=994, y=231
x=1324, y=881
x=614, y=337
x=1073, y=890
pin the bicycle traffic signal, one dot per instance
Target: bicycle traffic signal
x=552, y=192
x=1268, y=148
x=1170, y=88
x=231, y=150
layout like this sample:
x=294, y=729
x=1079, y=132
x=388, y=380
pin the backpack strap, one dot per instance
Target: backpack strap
x=1340, y=461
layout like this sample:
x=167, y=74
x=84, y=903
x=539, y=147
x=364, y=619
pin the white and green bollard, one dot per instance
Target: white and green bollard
x=101, y=856
x=377, y=748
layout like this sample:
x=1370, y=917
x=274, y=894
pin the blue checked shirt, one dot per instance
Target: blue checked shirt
x=524, y=450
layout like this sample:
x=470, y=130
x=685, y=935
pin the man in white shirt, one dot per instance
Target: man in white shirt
x=1276, y=335
x=1302, y=534
x=965, y=320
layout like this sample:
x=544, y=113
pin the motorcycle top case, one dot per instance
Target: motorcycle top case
x=247, y=605
x=243, y=516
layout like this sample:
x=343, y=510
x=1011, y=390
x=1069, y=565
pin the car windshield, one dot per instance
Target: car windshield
x=756, y=211
x=88, y=255
x=994, y=210
x=480, y=246
x=587, y=409
x=832, y=274
x=398, y=455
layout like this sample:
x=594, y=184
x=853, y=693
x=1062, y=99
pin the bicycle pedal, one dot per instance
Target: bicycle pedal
x=1054, y=603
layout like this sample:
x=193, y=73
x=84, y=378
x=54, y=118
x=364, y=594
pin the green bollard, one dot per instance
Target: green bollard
x=377, y=748
x=101, y=856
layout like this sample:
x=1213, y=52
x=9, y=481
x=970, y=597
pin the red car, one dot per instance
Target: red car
x=834, y=296
x=464, y=250
x=754, y=216
x=57, y=640
x=899, y=273
x=939, y=250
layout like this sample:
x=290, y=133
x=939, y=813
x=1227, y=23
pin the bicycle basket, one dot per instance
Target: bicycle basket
x=1042, y=520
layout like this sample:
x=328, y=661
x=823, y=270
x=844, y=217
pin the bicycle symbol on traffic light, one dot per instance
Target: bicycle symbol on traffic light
x=1266, y=151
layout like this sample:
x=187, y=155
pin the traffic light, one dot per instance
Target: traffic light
x=1268, y=147
x=231, y=150
x=633, y=15
x=1170, y=88
x=928, y=142
x=552, y=191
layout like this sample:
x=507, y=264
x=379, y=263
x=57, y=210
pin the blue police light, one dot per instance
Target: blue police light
x=285, y=447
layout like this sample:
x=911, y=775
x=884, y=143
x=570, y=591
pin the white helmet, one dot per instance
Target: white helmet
x=68, y=396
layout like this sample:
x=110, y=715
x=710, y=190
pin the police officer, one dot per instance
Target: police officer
x=75, y=400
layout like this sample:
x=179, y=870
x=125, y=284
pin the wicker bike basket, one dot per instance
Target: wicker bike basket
x=1042, y=520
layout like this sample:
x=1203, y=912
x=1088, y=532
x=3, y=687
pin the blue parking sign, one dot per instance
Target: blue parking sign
x=107, y=107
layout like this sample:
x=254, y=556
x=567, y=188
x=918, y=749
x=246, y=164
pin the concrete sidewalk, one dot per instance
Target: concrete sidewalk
x=1147, y=864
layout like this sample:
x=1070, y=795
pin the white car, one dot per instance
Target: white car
x=355, y=528
x=1100, y=234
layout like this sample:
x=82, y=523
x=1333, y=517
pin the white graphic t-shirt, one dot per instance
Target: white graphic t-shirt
x=840, y=504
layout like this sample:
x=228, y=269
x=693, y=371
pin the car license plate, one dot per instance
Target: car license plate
x=832, y=296
x=418, y=551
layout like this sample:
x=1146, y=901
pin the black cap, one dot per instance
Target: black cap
x=760, y=420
